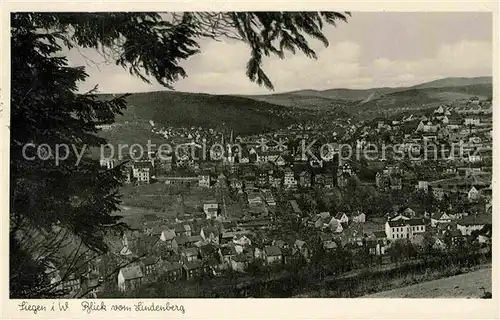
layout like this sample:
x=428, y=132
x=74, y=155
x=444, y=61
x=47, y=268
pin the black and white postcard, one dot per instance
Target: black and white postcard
x=245, y=157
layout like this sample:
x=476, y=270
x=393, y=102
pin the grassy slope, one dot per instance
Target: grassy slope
x=460, y=286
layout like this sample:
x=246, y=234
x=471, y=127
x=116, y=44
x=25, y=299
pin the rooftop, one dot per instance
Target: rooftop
x=272, y=251
x=132, y=272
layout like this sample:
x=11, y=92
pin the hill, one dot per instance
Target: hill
x=440, y=90
x=258, y=113
x=311, y=99
x=169, y=108
x=314, y=101
x=384, y=101
x=417, y=99
x=455, y=82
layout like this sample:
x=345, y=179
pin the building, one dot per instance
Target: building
x=167, y=236
x=358, y=217
x=178, y=243
x=289, y=181
x=468, y=224
x=279, y=161
x=189, y=254
x=272, y=255
x=472, y=121
x=107, y=163
x=165, y=164
x=226, y=253
x=173, y=270
x=404, y=229
x=440, y=217
x=262, y=179
x=241, y=241
x=130, y=277
x=210, y=234
x=342, y=217
x=305, y=179
x=344, y=173
x=142, y=174
x=150, y=265
x=192, y=269
x=72, y=284
x=301, y=247
x=335, y=225
x=473, y=194
x=183, y=230
x=211, y=209
x=295, y=207
x=423, y=186
x=427, y=127
x=239, y=263
x=127, y=173
x=204, y=180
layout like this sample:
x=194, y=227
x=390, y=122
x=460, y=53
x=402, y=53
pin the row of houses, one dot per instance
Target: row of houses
x=192, y=261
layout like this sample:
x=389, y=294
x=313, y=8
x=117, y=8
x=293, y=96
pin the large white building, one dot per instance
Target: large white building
x=404, y=228
x=141, y=174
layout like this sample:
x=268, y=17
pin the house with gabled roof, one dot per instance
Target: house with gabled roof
x=150, y=265
x=440, y=217
x=305, y=179
x=473, y=194
x=342, y=217
x=302, y=248
x=173, y=270
x=167, y=236
x=272, y=255
x=335, y=225
x=194, y=241
x=130, y=277
x=183, y=230
x=192, y=269
x=130, y=238
x=320, y=220
x=179, y=242
x=327, y=241
x=189, y=254
x=358, y=217
x=226, y=253
x=239, y=263
x=210, y=234
x=472, y=223
x=241, y=241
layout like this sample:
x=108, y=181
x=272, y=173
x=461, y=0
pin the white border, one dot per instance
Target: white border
x=256, y=308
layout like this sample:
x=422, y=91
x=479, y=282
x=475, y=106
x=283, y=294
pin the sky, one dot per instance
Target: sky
x=374, y=49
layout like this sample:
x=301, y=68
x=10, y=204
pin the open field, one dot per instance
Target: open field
x=461, y=286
